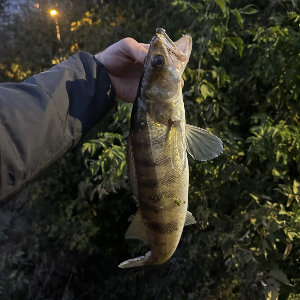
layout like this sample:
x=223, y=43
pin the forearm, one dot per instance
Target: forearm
x=46, y=115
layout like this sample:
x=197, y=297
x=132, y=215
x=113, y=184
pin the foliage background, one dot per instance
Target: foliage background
x=64, y=237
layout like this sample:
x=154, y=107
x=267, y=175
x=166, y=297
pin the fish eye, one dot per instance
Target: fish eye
x=157, y=61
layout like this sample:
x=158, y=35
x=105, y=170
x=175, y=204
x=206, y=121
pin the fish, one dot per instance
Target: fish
x=156, y=151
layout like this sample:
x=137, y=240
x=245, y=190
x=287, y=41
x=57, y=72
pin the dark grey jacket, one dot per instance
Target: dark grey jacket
x=46, y=115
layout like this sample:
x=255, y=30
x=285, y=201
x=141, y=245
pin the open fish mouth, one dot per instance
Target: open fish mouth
x=178, y=52
x=181, y=48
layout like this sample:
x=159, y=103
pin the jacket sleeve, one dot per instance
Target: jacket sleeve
x=46, y=115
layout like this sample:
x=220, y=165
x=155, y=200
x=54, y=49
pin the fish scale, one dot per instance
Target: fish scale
x=156, y=151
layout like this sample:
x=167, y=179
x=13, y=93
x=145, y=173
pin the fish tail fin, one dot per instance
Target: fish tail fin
x=136, y=262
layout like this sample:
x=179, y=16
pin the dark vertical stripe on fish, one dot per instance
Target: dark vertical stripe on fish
x=162, y=228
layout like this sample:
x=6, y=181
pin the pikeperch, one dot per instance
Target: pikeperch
x=156, y=151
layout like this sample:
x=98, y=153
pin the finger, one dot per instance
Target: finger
x=146, y=46
x=134, y=50
x=182, y=83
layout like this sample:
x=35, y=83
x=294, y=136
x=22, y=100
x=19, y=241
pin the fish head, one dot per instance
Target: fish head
x=164, y=65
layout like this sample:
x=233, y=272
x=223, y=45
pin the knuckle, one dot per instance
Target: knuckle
x=127, y=41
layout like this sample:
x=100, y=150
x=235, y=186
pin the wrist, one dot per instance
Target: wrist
x=99, y=57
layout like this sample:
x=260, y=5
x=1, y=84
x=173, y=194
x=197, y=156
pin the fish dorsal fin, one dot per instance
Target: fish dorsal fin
x=137, y=229
x=189, y=219
x=131, y=167
x=176, y=142
x=201, y=144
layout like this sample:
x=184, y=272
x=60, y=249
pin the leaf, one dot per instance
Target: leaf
x=120, y=170
x=92, y=149
x=237, y=43
x=19, y=253
x=296, y=187
x=289, y=76
x=221, y=4
x=276, y=172
x=216, y=109
x=238, y=17
x=221, y=76
x=204, y=90
x=290, y=200
x=250, y=139
x=207, y=90
x=287, y=250
x=195, y=6
x=255, y=197
x=279, y=275
x=248, y=10
x=227, y=111
x=84, y=147
x=265, y=244
x=271, y=289
x=95, y=168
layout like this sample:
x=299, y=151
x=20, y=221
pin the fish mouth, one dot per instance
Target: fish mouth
x=175, y=55
x=181, y=48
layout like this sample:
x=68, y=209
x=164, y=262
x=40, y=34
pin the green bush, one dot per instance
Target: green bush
x=242, y=84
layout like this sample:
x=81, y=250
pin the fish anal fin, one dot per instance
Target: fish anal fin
x=201, y=144
x=137, y=229
x=189, y=219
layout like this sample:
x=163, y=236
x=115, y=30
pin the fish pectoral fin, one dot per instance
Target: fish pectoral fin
x=189, y=219
x=137, y=228
x=175, y=142
x=201, y=144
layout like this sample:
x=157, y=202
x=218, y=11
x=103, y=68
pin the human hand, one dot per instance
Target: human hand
x=124, y=62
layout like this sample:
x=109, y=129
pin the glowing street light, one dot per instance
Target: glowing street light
x=53, y=13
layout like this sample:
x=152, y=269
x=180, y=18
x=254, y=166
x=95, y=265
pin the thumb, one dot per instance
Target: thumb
x=136, y=51
x=142, y=53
